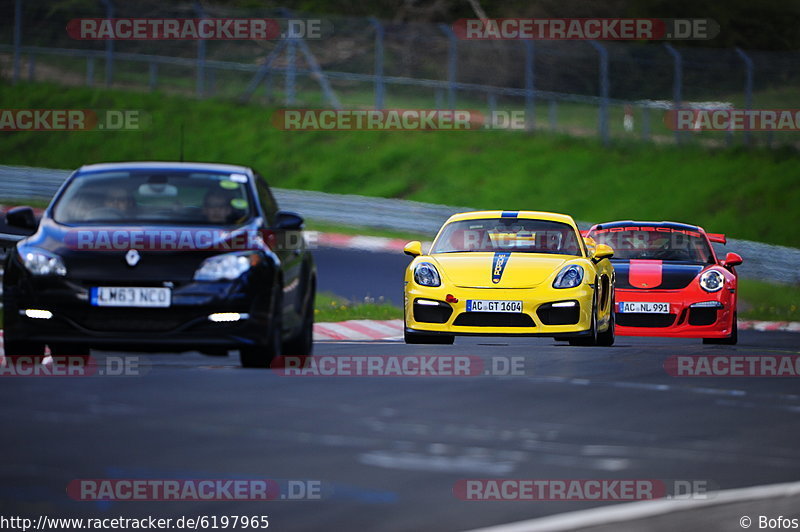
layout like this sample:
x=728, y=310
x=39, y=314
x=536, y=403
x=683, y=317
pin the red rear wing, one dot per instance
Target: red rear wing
x=719, y=238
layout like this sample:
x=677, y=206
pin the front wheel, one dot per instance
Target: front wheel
x=23, y=352
x=261, y=356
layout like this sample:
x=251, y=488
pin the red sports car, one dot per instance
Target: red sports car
x=670, y=282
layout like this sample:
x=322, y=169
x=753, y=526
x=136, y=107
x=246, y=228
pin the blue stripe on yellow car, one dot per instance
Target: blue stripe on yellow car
x=510, y=214
x=499, y=265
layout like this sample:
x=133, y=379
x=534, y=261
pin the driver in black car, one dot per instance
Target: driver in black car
x=217, y=207
x=121, y=199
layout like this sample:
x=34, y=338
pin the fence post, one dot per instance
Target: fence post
x=17, y=38
x=553, y=115
x=452, y=64
x=677, y=83
x=31, y=66
x=645, y=122
x=491, y=100
x=603, y=118
x=109, y=44
x=153, y=76
x=748, y=86
x=291, y=73
x=201, y=57
x=89, y=71
x=379, y=86
x=530, y=79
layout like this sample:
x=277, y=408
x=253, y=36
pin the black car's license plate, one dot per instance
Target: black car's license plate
x=131, y=296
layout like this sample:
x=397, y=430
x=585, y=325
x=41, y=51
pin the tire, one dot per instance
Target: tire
x=607, y=337
x=733, y=339
x=69, y=353
x=593, y=337
x=19, y=352
x=261, y=356
x=420, y=338
x=301, y=345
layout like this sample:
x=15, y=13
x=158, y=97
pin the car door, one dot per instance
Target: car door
x=290, y=247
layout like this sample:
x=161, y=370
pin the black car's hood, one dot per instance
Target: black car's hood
x=91, y=253
x=655, y=274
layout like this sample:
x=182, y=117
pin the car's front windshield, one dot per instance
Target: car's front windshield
x=655, y=243
x=508, y=234
x=186, y=197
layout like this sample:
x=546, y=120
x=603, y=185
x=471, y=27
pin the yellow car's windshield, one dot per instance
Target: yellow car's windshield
x=508, y=234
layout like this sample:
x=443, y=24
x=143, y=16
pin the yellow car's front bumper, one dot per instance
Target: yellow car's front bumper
x=538, y=317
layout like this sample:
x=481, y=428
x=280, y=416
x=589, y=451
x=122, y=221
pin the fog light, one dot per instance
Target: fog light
x=426, y=302
x=38, y=314
x=706, y=304
x=564, y=304
x=227, y=316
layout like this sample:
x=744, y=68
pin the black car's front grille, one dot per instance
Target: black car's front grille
x=636, y=319
x=702, y=316
x=130, y=325
x=132, y=320
x=494, y=319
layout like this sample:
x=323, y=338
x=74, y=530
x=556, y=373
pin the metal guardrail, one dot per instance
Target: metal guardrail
x=762, y=261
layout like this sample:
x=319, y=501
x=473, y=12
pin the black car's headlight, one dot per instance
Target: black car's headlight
x=41, y=262
x=225, y=267
x=570, y=276
x=425, y=274
x=712, y=281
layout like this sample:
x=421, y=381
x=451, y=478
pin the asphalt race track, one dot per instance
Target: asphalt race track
x=388, y=451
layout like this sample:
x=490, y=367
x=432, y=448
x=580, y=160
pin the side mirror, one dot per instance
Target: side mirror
x=413, y=248
x=21, y=217
x=602, y=251
x=288, y=220
x=732, y=259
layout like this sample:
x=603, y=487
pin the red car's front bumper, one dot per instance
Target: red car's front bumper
x=684, y=319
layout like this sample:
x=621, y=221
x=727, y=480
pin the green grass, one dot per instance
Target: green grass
x=759, y=300
x=329, y=307
x=750, y=194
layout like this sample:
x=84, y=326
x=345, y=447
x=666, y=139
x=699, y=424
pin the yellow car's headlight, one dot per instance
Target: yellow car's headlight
x=425, y=274
x=569, y=277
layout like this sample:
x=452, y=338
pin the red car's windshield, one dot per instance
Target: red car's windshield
x=657, y=243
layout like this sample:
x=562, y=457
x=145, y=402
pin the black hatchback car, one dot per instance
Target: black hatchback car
x=160, y=257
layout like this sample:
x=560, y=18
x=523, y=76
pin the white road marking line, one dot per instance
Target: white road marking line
x=625, y=512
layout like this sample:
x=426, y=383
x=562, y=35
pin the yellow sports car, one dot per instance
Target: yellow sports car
x=520, y=273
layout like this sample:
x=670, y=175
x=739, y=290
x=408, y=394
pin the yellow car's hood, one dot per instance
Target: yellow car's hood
x=498, y=270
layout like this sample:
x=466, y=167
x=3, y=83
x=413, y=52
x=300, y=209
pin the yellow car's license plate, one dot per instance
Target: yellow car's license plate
x=493, y=305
